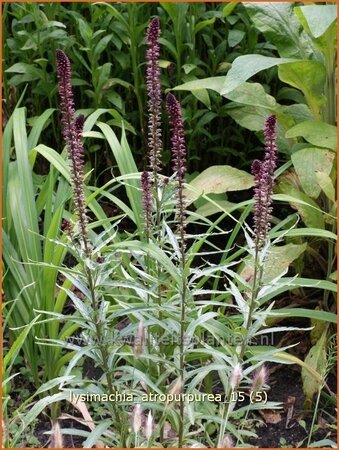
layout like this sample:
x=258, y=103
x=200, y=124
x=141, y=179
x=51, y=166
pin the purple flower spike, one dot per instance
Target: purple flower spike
x=72, y=129
x=178, y=149
x=263, y=173
x=177, y=136
x=154, y=96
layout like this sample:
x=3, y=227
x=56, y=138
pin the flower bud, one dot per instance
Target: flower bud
x=177, y=387
x=137, y=418
x=149, y=426
x=260, y=379
x=236, y=376
x=227, y=442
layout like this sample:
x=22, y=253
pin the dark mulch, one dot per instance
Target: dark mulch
x=286, y=387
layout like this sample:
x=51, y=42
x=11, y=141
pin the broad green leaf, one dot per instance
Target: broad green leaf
x=319, y=22
x=204, y=23
x=102, y=44
x=320, y=134
x=213, y=83
x=309, y=77
x=307, y=163
x=208, y=209
x=316, y=359
x=227, y=10
x=115, y=13
x=316, y=19
x=280, y=27
x=164, y=64
x=235, y=37
x=203, y=96
x=21, y=68
x=250, y=117
x=278, y=260
x=253, y=94
x=245, y=66
x=176, y=11
x=298, y=112
x=219, y=179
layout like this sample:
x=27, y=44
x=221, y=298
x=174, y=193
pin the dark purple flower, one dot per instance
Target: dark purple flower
x=263, y=173
x=72, y=129
x=178, y=149
x=79, y=124
x=146, y=198
x=178, y=146
x=154, y=97
x=66, y=226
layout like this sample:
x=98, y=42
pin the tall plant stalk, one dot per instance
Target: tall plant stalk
x=264, y=178
x=178, y=149
x=72, y=130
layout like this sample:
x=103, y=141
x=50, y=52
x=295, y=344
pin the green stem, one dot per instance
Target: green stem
x=182, y=311
x=225, y=415
x=105, y=356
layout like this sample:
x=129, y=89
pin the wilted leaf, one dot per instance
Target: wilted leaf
x=56, y=437
x=270, y=416
x=290, y=409
x=319, y=327
x=82, y=408
x=326, y=185
x=218, y=179
x=316, y=359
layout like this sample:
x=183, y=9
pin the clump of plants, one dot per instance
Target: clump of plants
x=167, y=307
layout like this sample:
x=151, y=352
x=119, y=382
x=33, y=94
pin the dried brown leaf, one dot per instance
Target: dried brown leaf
x=270, y=416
